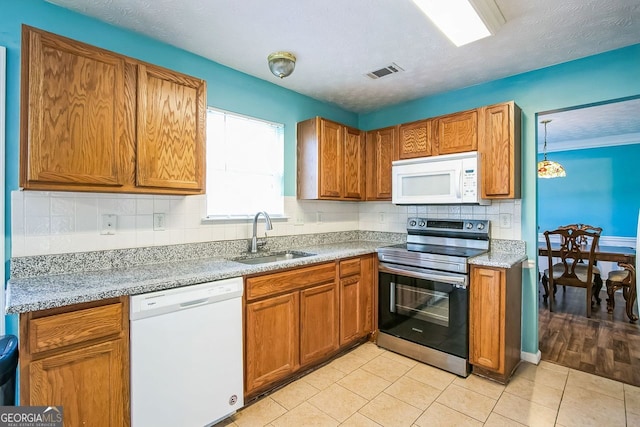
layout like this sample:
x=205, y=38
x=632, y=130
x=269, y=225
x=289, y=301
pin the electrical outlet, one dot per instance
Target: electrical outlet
x=159, y=222
x=318, y=217
x=505, y=220
x=381, y=217
x=108, y=224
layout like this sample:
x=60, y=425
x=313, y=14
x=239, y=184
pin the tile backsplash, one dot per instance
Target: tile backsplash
x=62, y=222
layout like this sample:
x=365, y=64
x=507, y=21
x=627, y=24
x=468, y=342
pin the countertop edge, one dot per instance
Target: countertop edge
x=72, y=290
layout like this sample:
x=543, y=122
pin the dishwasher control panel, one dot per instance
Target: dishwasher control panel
x=155, y=303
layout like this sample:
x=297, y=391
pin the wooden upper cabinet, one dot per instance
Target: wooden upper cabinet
x=331, y=163
x=73, y=113
x=380, y=144
x=457, y=133
x=354, y=164
x=94, y=120
x=171, y=129
x=499, y=149
x=415, y=140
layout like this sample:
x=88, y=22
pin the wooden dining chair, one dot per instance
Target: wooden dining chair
x=626, y=280
x=597, y=279
x=577, y=261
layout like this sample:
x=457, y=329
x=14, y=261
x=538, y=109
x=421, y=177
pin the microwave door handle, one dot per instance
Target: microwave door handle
x=458, y=192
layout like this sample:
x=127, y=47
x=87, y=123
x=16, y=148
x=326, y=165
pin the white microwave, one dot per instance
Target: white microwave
x=446, y=179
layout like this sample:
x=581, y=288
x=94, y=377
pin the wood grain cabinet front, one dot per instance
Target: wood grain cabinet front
x=356, y=298
x=298, y=318
x=494, y=321
x=78, y=357
x=330, y=161
x=94, y=120
x=456, y=133
x=415, y=139
x=500, y=151
x=379, y=150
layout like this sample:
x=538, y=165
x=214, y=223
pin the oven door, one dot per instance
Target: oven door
x=424, y=306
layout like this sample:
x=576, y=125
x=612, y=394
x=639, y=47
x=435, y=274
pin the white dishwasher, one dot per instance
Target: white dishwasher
x=186, y=355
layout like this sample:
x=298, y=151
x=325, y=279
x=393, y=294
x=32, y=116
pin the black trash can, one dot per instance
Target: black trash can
x=8, y=365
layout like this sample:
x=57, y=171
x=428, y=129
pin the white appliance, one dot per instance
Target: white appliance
x=186, y=355
x=446, y=179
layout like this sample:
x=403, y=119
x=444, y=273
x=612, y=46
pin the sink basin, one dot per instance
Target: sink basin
x=272, y=257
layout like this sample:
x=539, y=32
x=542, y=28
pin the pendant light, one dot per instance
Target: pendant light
x=548, y=168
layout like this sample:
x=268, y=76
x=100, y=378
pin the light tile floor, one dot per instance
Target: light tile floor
x=370, y=386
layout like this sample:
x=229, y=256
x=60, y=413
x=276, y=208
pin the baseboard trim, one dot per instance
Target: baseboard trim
x=531, y=357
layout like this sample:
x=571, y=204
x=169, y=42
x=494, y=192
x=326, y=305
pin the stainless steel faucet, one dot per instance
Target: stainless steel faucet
x=253, y=244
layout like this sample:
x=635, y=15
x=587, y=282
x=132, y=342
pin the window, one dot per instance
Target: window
x=245, y=165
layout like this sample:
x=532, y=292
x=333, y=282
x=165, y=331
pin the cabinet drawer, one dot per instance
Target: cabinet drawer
x=261, y=286
x=349, y=267
x=60, y=330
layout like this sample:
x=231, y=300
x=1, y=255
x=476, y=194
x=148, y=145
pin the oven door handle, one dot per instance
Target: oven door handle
x=454, y=280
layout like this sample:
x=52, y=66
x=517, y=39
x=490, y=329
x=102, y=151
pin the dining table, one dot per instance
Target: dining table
x=624, y=256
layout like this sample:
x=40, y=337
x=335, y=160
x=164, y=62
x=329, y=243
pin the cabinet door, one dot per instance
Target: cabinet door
x=318, y=322
x=500, y=151
x=379, y=153
x=351, y=317
x=486, y=318
x=330, y=162
x=354, y=164
x=415, y=140
x=457, y=133
x=73, y=114
x=271, y=340
x=90, y=383
x=170, y=130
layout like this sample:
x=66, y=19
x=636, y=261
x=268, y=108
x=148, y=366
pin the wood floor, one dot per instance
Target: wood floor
x=606, y=344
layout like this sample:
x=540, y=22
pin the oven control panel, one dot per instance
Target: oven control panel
x=444, y=226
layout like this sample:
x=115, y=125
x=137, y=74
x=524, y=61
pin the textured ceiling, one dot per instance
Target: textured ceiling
x=615, y=123
x=337, y=41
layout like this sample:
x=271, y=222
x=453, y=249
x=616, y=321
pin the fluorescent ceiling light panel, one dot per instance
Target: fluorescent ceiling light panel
x=463, y=21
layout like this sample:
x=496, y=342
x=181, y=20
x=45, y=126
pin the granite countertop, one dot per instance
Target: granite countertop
x=503, y=254
x=41, y=283
x=49, y=291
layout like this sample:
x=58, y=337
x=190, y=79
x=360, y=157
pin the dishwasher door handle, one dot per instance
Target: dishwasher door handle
x=194, y=302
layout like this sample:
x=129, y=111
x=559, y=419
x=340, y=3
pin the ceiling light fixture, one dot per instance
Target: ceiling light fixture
x=463, y=21
x=281, y=64
x=548, y=168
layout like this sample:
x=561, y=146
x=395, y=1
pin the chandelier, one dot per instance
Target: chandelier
x=549, y=168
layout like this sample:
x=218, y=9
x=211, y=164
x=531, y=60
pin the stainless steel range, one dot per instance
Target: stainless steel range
x=423, y=306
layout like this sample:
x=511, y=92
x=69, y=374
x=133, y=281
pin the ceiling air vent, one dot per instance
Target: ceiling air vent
x=389, y=69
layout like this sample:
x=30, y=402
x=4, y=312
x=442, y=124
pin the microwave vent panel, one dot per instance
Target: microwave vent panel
x=389, y=69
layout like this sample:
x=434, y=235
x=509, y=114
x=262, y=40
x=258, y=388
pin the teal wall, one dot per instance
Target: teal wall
x=226, y=88
x=593, y=79
x=602, y=188
x=610, y=75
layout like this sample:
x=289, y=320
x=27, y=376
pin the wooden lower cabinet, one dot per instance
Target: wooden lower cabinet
x=494, y=321
x=78, y=357
x=300, y=317
x=318, y=322
x=356, y=298
x=271, y=340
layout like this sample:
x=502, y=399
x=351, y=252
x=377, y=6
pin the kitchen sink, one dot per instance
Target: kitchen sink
x=272, y=257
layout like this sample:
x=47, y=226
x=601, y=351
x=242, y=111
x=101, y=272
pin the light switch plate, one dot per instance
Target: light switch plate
x=108, y=224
